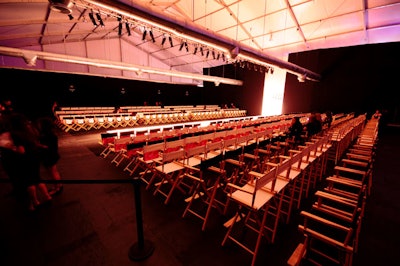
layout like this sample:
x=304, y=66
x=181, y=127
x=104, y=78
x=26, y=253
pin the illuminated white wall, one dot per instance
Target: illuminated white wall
x=274, y=88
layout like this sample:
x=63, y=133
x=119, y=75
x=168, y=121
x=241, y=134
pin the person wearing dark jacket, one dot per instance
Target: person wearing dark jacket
x=296, y=129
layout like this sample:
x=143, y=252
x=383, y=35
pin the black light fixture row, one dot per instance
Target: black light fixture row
x=93, y=19
x=148, y=32
x=255, y=67
x=95, y=13
x=96, y=19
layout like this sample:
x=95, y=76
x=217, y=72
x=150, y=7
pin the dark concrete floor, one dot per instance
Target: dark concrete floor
x=95, y=224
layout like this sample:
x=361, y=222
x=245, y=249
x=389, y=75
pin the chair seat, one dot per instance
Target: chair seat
x=246, y=198
x=169, y=167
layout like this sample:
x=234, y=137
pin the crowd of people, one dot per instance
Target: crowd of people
x=314, y=125
x=25, y=147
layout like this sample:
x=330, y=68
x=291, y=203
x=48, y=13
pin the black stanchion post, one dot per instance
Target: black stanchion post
x=142, y=249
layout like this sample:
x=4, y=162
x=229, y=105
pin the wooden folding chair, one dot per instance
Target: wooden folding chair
x=343, y=208
x=288, y=177
x=253, y=201
x=132, y=150
x=138, y=142
x=327, y=242
x=206, y=176
x=99, y=122
x=349, y=182
x=170, y=170
x=116, y=147
x=68, y=123
x=151, y=156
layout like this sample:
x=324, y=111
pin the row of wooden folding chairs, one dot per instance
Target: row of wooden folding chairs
x=85, y=122
x=125, y=147
x=100, y=121
x=332, y=226
x=344, y=134
x=238, y=158
x=152, y=154
x=268, y=196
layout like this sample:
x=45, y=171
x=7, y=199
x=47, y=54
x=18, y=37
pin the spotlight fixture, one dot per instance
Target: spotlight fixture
x=152, y=36
x=70, y=17
x=201, y=51
x=92, y=19
x=218, y=55
x=128, y=29
x=144, y=34
x=208, y=53
x=195, y=50
x=186, y=47
x=213, y=54
x=119, y=26
x=62, y=6
x=223, y=57
x=163, y=39
x=170, y=41
x=99, y=19
x=182, y=44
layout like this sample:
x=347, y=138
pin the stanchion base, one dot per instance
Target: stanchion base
x=137, y=253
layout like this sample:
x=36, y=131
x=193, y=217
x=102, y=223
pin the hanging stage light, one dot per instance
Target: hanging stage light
x=128, y=29
x=182, y=44
x=99, y=19
x=119, y=26
x=201, y=51
x=208, y=53
x=144, y=34
x=170, y=41
x=186, y=46
x=163, y=39
x=213, y=55
x=92, y=19
x=152, y=36
x=195, y=50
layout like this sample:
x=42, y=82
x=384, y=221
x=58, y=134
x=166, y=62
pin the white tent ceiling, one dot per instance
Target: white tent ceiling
x=262, y=32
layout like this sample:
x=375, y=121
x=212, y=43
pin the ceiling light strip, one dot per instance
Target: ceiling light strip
x=114, y=65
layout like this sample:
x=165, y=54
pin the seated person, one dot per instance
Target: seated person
x=313, y=126
x=296, y=129
x=377, y=114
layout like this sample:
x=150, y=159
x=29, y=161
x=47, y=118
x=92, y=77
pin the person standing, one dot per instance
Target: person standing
x=24, y=160
x=49, y=153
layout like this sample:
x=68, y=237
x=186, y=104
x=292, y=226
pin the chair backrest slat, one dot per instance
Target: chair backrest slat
x=173, y=155
x=153, y=147
x=195, y=151
x=270, y=176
